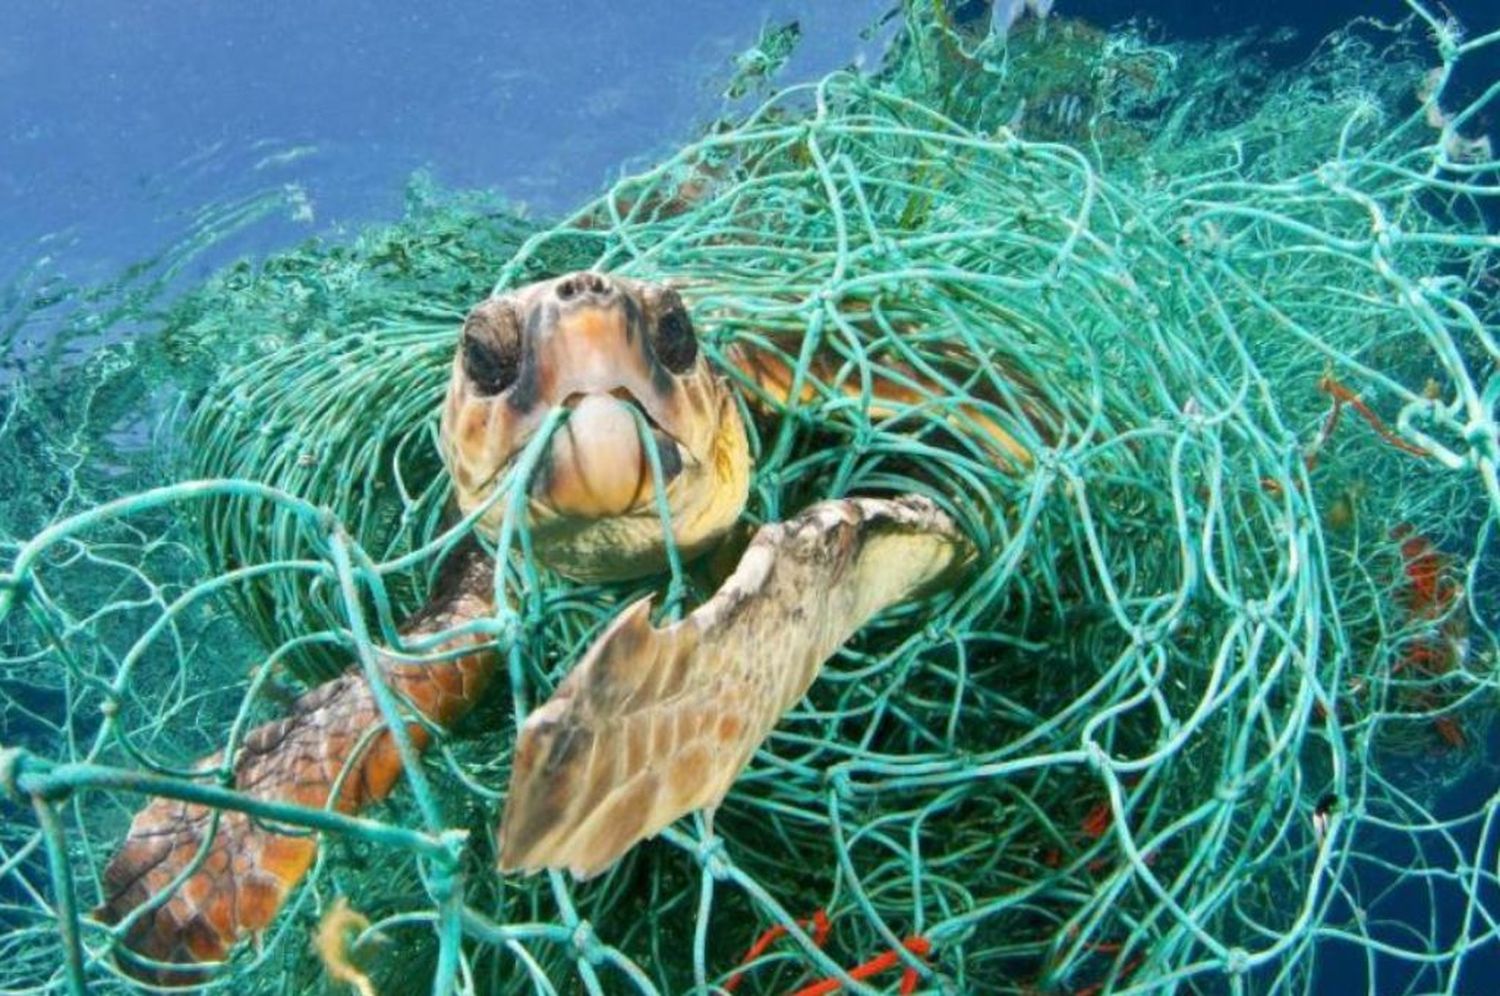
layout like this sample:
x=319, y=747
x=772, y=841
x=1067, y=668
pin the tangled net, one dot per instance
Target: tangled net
x=1206, y=717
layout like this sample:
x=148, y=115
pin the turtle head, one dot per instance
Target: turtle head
x=622, y=355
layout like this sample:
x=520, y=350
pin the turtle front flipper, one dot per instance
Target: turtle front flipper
x=656, y=723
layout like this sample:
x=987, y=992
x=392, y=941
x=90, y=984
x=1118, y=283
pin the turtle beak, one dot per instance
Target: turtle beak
x=597, y=464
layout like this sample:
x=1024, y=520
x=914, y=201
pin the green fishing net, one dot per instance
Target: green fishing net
x=1209, y=716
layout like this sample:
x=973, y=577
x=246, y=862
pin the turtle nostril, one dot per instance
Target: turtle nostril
x=582, y=284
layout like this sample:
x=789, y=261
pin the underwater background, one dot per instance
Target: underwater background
x=121, y=119
x=144, y=147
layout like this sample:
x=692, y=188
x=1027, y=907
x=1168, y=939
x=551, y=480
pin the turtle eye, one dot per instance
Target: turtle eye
x=674, y=342
x=491, y=348
x=490, y=370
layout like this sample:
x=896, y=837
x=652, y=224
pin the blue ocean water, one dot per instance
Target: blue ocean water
x=119, y=122
x=118, y=119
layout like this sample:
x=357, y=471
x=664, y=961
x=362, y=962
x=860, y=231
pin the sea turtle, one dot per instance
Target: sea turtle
x=653, y=722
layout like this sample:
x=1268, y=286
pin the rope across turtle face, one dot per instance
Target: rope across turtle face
x=617, y=353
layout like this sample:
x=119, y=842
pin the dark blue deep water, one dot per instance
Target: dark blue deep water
x=120, y=120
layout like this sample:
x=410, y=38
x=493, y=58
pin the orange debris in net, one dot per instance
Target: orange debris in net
x=919, y=946
x=1098, y=820
x=1431, y=591
x=1343, y=396
x=817, y=923
x=1450, y=731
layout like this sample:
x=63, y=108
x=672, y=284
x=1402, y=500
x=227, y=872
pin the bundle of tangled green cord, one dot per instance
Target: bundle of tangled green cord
x=1013, y=521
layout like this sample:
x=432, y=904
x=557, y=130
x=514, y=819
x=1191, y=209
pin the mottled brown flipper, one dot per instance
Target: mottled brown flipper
x=892, y=389
x=656, y=723
x=250, y=868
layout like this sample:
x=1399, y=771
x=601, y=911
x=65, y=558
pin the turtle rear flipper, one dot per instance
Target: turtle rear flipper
x=655, y=723
x=211, y=878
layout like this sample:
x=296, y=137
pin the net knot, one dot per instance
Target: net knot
x=1098, y=757
x=838, y=780
x=1480, y=436
x=1333, y=174
x=454, y=841
x=884, y=250
x=586, y=943
x=502, y=628
x=712, y=857
x=1236, y=961
x=1191, y=417
x=1448, y=35
x=439, y=879
x=441, y=872
x=1049, y=462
